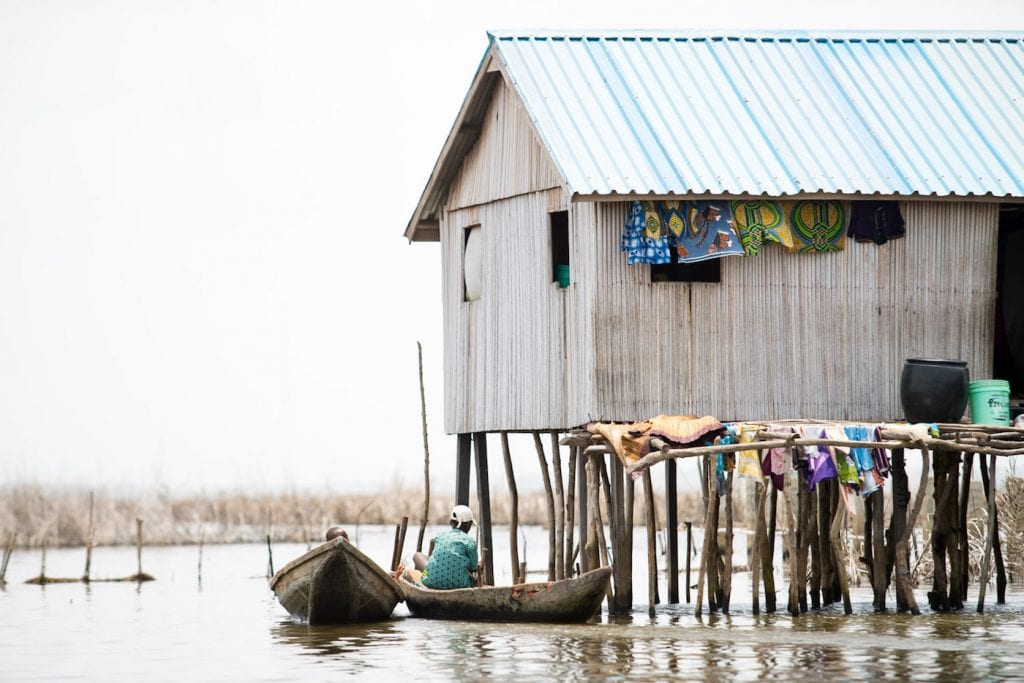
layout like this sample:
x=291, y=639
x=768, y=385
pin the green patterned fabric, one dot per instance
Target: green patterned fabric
x=453, y=558
x=819, y=225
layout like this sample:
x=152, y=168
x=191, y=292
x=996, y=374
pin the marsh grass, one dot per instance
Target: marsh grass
x=60, y=517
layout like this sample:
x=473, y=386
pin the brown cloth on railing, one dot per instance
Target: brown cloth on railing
x=632, y=441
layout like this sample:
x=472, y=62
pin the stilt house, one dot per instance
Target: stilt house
x=546, y=324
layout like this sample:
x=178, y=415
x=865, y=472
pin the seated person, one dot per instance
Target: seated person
x=454, y=560
x=336, y=531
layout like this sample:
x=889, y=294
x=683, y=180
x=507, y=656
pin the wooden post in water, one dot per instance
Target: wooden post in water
x=839, y=554
x=570, y=509
x=559, y=502
x=42, y=564
x=672, y=529
x=549, y=498
x=992, y=531
x=710, y=537
x=270, y=559
x=897, y=523
x=513, y=492
x=199, y=567
x=825, y=554
x=8, y=551
x=483, y=497
x=803, y=537
x=652, y=544
x=755, y=545
x=902, y=553
x=727, y=576
x=583, y=484
x=939, y=598
x=813, y=533
x=395, y=550
x=878, y=538
x=997, y=547
x=789, y=543
x=138, y=546
x=426, y=458
x=89, y=539
x=401, y=540
x=622, y=563
x=767, y=551
x=965, y=545
x=689, y=556
x=593, y=554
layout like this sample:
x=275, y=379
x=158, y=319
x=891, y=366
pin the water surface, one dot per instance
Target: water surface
x=229, y=627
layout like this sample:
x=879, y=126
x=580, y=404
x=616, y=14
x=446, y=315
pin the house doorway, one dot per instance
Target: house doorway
x=1008, y=359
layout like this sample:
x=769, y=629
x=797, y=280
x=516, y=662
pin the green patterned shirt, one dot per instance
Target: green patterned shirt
x=453, y=558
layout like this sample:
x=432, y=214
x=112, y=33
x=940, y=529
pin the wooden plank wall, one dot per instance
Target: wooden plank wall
x=795, y=335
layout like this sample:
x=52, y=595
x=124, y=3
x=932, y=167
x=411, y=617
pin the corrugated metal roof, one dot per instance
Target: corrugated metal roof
x=737, y=113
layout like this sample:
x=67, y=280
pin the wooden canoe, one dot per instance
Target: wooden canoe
x=335, y=583
x=566, y=601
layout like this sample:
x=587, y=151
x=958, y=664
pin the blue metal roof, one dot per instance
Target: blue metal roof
x=735, y=113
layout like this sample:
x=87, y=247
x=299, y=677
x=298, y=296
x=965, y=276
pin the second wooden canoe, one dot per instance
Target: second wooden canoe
x=568, y=601
x=335, y=583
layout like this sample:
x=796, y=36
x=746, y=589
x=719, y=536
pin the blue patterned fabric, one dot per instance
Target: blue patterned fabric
x=453, y=558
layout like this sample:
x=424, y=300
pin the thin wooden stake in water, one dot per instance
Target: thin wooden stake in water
x=199, y=569
x=550, y=502
x=689, y=555
x=138, y=543
x=89, y=541
x=270, y=559
x=8, y=551
x=426, y=456
x=652, y=551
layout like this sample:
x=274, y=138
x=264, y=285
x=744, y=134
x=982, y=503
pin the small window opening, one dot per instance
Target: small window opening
x=560, y=248
x=472, y=263
x=701, y=271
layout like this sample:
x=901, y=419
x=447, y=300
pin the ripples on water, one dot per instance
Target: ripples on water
x=230, y=627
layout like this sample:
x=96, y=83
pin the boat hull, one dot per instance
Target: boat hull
x=567, y=601
x=335, y=583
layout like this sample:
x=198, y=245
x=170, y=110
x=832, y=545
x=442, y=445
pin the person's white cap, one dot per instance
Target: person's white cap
x=462, y=514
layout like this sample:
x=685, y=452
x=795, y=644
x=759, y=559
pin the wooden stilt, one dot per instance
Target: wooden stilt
x=756, y=545
x=627, y=543
x=483, y=498
x=840, y=556
x=672, y=530
x=593, y=555
x=802, y=542
x=789, y=543
x=8, y=551
x=623, y=558
x=902, y=553
x=550, y=499
x=652, y=544
x=768, y=552
x=965, y=545
x=463, y=456
x=715, y=553
x=992, y=531
x=814, y=547
x=898, y=521
x=727, y=576
x=827, y=570
x=513, y=527
x=997, y=546
x=559, y=500
x=710, y=534
x=582, y=482
x=939, y=598
x=956, y=534
x=689, y=556
x=570, y=509
x=878, y=538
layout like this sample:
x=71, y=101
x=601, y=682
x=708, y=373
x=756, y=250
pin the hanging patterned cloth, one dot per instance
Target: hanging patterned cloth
x=760, y=221
x=644, y=237
x=818, y=225
x=708, y=232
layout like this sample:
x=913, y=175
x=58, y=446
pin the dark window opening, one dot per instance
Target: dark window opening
x=560, y=248
x=1008, y=359
x=701, y=271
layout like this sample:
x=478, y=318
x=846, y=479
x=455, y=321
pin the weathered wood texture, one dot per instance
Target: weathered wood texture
x=529, y=355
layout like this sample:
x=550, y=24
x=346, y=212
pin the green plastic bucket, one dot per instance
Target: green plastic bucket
x=990, y=402
x=562, y=275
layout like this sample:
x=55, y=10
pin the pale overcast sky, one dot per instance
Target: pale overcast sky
x=203, y=280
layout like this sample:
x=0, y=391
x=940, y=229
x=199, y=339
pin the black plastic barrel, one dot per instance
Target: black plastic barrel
x=933, y=389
